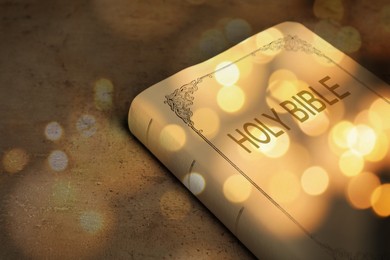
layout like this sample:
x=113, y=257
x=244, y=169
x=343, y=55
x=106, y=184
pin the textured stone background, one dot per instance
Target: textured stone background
x=74, y=183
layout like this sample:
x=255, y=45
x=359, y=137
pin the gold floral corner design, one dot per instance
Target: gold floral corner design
x=181, y=99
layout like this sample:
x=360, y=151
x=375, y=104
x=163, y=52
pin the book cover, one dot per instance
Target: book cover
x=284, y=139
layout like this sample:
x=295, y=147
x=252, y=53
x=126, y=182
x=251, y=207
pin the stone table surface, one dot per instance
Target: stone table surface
x=74, y=182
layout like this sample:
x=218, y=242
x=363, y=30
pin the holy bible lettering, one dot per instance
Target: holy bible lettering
x=318, y=191
x=302, y=106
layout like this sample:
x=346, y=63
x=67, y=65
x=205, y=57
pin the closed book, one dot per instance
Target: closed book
x=285, y=139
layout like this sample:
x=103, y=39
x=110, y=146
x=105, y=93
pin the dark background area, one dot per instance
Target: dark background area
x=79, y=64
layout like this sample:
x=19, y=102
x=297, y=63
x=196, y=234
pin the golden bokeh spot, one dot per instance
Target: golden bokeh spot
x=361, y=139
x=316, y=125
x=360, y=188
x=315, y=180
x=175, y=205
x=245, y=68
x=173, y=137
x=351, y=163
x=278, y=91
x=380, y=110
x=207, y=120
x=338, y=136
x=328, y=9
x=236, y=188
x=15, y=160
x=104, y=90
x=194, y=182
x=53, y=131
x=284, y=187
x=266, y=37
x=282, y=74
x=231, y=99
x=227, y=73
x=372, y=119
x=277, y=147
x=380, y=149
x=380, y=200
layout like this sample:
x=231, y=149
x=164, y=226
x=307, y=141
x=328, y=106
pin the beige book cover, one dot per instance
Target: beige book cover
x=285, y=139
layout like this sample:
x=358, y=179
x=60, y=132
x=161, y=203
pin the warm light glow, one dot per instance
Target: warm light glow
x=231, y=99
x=207, y=120
x=172, y=137
x=175, y=205
x=379, y=109
x=266, y=37
x=103, y=94
x=53, y=131
x=338, y=137
x=380, y=200
x=351, y=163
x=58, y=160
x=328, y=9
x=86, y=125
x=227, y=73
x=361, y=139
x=327, y=30
x=308, y=210
x=278, y=91
x=245, y=68
x=284, y=186
x=236, y=188
x=282, y=74
x=336, y=57
x=380, y=150
x=315, y=180
x=316, y=125
x=15, y=160
x=275, y=148
x=371, y=119
x=304, y=156
x=91, y=221
x=194, y=182
x=360, y=188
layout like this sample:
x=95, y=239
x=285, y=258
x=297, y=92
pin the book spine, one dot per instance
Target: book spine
x=191, y=164
x=147, y=125
x=205, y=174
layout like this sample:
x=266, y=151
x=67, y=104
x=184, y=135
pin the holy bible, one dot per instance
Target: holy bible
x=285, y=139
